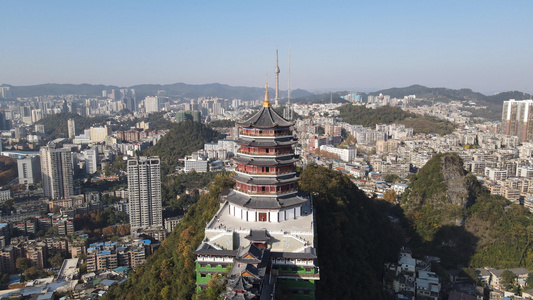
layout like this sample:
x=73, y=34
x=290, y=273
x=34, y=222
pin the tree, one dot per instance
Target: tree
x=32, y=273
x=390, y=196
x=508, y=279
x=56, y=261
x=529, y=281
x=391, y=178
x=23, y=263
x=4, y=278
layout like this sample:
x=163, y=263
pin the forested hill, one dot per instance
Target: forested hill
x=56, y=125
x=182, y=139
x=170, y=272
x=455, y=218
x=355, y=236
x=452, y=94
x=360, y=115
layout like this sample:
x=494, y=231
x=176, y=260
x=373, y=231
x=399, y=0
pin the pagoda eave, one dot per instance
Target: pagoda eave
x=252, y=202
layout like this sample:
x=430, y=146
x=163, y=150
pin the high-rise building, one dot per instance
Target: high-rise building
x=71, y=126
x=29, y=169
x=57, y=172
x=188, y=115
x=5, y=91
x=152, y=104
x=517, y=118
x=144, y=190
x=98, y=134
x=91, y=160
x=263, y=234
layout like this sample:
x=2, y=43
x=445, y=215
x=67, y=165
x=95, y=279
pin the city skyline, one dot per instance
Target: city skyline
x=480, y=45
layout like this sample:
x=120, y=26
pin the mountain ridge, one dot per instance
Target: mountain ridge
x=141, y=90
x=181, y=89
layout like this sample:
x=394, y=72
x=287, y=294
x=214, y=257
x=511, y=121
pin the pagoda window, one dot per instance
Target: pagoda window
x=262, y=217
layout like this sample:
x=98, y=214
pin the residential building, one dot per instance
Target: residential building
x=98, y=134
x=197, y=165
x=517, y=119
x=71, y=125
x=29, y=169
x=56, y=172
x=344, y=154
x=91, y=160
x=144, y=189
x=188, y=115
x=152, y=104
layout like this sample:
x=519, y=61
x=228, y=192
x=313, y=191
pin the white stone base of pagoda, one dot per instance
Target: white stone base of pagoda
x=263, y=215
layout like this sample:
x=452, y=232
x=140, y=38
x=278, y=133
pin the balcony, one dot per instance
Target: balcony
x=265, y=173
x=269, y=135
x=276, y=193
x=265, y=153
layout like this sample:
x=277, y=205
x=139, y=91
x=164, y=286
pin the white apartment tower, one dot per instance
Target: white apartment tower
x=57, y=172
x=91, y=160
x=144, y=187
x=29, y=169
x=71, y=124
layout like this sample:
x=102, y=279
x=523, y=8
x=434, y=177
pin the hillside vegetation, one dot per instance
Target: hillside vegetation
x=355, y=237
x=457, y=219
x=170, y=272
x=182, y=139
x=360, y=115
x=56, y=126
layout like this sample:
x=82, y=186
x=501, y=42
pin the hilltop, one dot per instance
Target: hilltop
x=452, y=216
x=182, y=139
x=360, y=115
x=451, y=94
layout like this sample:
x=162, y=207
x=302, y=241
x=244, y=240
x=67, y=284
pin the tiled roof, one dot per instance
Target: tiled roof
x=266, y=118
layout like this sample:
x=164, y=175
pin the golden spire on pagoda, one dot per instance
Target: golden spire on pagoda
x=266, y=103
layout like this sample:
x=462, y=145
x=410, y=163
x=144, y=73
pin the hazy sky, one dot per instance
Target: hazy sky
x=367, y=45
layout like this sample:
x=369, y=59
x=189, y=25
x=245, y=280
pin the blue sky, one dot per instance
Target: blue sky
x=357, y=45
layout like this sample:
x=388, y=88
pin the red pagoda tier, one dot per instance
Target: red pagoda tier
x=266, y=188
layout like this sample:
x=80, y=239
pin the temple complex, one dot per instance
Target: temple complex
x=263, y=236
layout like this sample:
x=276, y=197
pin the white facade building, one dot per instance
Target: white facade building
x=144, y=190
x=344, y=154
x=57, y=172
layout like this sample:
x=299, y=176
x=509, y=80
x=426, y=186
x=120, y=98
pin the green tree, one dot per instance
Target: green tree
x=32, y=273
x=4, y=278
x=56, y=260
x=508, y=280
x=392, y=178
x=22, y=263
x=529, y=281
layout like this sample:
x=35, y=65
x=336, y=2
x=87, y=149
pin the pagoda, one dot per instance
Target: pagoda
x=263, y=235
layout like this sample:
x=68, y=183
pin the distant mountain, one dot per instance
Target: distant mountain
x=462, y=94
x=176, y=89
